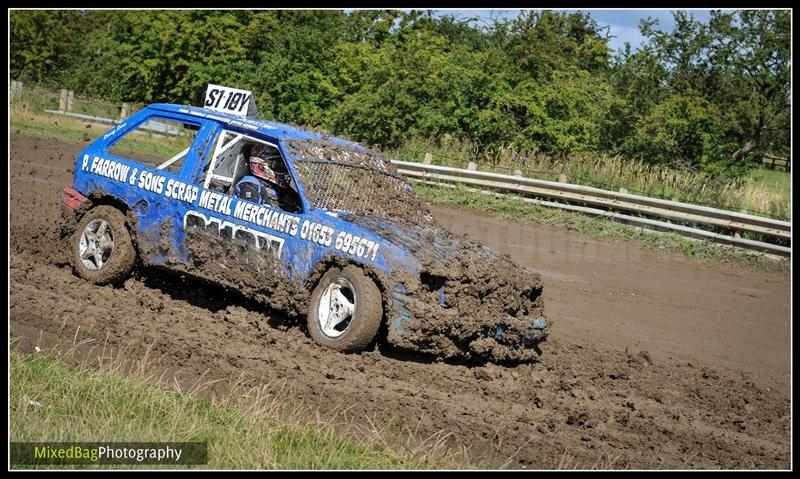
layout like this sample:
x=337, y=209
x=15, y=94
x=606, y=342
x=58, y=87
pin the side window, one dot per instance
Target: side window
x=252, y=169
x=159, y=142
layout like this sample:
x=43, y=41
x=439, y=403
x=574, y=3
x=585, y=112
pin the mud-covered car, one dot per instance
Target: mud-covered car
x=347, y=244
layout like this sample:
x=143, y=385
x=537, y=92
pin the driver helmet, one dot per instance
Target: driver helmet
x=261, y=166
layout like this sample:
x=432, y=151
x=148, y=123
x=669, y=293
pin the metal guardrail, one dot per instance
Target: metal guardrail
x=615, y=205
x=81, y=116
x=153, y=126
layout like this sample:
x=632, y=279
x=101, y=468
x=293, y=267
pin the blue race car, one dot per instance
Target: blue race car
x=301, y=221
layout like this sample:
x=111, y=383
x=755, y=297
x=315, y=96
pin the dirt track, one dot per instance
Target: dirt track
x=656, y=361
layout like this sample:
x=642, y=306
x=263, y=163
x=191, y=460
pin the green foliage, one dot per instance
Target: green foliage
x=566, y=116
x=40, y=43
x=543, y=42
x=681, y=130
x=729, y=78
x=712, y=96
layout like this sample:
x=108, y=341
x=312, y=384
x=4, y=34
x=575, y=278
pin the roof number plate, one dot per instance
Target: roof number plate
x=230, y=100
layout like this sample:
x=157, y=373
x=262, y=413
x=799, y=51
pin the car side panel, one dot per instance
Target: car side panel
x=156, y=199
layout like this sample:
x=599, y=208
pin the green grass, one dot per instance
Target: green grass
x=152, y=147
x=248, y=430
x=68, y=130
x=773, y=180
x=515, y=209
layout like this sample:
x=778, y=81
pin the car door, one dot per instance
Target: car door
x=163, y=149
x=228, y=236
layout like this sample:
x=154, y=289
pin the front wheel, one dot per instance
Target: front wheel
x=102, y=249
x=346, y=310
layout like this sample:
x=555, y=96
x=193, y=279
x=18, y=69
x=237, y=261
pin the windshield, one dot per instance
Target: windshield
x=347, y=177
x=357, y=189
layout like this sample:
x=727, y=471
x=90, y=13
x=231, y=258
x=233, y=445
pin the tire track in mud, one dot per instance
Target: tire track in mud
x=597, y=404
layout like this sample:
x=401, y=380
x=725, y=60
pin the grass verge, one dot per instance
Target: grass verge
x=779, y=182
x=50, y=401
x=61, y=128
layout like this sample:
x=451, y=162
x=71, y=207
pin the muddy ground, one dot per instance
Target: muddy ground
x=655, y=360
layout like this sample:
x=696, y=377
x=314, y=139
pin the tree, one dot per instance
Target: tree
x=681, y=131
x=739, y=62
x=541, y=42
x=751, y=58
x=43, y=43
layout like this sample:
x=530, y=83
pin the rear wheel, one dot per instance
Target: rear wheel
x=102, y=249
x=346, y=310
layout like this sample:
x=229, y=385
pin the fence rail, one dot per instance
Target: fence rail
x=154, y=126
x=615, y=205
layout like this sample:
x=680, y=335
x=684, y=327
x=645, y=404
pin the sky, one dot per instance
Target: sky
x=624, y=24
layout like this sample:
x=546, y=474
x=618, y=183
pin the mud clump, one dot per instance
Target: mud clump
x=236, y=264
x=155, y=240
x=476, y=304
x=165, y=236
x=339, y=151
x=469, y=301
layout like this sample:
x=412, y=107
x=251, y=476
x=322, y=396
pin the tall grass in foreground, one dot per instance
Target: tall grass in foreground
x=611, y=173
x=247, y=428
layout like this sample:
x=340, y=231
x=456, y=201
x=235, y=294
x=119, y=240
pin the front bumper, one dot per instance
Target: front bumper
x=446, y=332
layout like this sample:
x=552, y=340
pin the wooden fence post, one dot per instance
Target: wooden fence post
x=428, y=159
x=16, y=87
x=70, y=97
x=123, y=113
x=562, y=178
x=62, y=100
x=472, y=166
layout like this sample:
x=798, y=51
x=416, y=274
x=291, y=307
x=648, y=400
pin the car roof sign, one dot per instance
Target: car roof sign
x=230, y=100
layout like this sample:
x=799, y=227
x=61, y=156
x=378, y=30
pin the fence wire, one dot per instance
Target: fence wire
x=356, y=189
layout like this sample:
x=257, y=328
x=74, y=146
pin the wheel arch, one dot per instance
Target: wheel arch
x=99, y=197
x=328, y=262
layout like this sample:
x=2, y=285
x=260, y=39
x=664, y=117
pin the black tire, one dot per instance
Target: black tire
x=116, y=263
x=363, y=323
